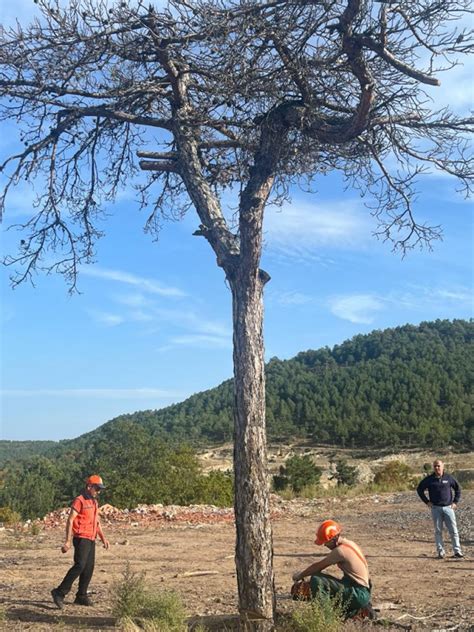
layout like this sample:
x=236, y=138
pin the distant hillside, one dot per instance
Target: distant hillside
x=407, y=386
x=411, y=385
x=24, y=449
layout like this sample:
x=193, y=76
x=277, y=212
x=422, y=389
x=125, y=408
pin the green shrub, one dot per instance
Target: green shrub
x=298, y=472
x=395, y=476
x=345, y=474
x=319, y=615
x=129, y=625
x=8, y=516
x=465, y=478
x=134, y=604
x=35, y=528
x=216, y=488
x=165, y=609
x=151, y=625
x=128, y=594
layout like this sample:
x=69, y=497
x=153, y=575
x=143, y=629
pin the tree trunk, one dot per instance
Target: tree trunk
x=254, y=547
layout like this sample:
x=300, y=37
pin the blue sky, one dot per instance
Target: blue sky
x=152, y=324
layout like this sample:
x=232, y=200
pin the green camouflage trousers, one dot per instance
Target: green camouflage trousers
x=353, y=596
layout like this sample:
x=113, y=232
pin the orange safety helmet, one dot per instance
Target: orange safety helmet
x=327, y=530
x=95, y=479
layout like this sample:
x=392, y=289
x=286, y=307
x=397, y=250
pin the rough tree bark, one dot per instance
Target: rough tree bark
x=254, y=549
x=254, y=546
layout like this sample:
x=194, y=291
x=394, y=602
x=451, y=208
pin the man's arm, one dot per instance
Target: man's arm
x=104, y=540
x=457, y=491
x=316, y=567
x=68, y=541
x=420, y=490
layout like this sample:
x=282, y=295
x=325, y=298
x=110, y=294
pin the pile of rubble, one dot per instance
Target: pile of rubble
x=153, y=515
x=156, y=515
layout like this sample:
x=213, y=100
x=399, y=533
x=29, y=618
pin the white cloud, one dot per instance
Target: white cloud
x=20, y=202
x=144, y=284
x=112, y=320
x=456, y=90
x=200, y=332
x=459, y=296
x=419, y=296
x=211, y=327
x=191, y=328
x=22, y=10
x=140, y=316
x=357, y=308
x=100, y=393
x=202, y=341
x=298, y=229
x=134, y=300
x=105, y=318
x=363, y=308
x=192, y=321
x=26, y=10
x=293, y=298
x=7, y=313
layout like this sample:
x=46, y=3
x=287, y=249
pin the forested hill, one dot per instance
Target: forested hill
x=411, y=385
x=407, y=386
x=24, y=449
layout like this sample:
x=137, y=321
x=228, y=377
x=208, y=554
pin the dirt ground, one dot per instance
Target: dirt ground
x=412, y=589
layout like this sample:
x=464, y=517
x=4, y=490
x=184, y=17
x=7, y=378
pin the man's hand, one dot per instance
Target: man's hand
x=296, y=577
x=106, y=544
x=65, y=547
x=454, y=506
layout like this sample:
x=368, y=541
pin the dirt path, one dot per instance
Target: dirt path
x=412, y=588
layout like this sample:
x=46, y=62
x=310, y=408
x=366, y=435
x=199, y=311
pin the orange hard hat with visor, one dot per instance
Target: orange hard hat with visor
x=326, y=531
x=96, y=480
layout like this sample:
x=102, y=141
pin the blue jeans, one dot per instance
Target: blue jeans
x=445, y=515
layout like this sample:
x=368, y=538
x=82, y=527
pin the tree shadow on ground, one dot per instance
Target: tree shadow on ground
x=313, y=555
x=402, y=556
x=215, y=623
x=75, y=622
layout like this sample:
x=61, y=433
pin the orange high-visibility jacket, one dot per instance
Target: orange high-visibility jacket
x=87, y=518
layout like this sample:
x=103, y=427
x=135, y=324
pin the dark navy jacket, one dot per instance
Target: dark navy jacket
x=440, y=490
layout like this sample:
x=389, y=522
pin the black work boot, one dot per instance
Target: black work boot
x=83, y=600
x=57, y=598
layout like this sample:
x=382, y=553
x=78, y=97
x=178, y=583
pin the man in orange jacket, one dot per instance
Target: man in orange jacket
x=355, y=586
x=82, y=529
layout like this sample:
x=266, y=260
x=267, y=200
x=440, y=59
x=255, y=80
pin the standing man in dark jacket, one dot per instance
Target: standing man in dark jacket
x=82, y=529
x=444, y=493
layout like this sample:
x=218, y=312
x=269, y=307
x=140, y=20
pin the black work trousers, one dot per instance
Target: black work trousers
x=84, y=560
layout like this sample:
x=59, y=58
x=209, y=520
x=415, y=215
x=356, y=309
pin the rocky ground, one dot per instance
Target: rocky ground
x=190, y=550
